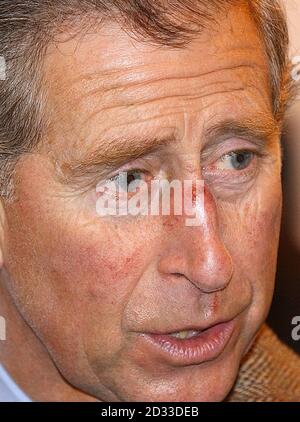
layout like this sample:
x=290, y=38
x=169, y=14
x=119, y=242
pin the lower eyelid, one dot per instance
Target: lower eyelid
x=249, y=170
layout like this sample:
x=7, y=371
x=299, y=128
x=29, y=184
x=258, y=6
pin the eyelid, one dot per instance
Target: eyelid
x=241, y=151
x=255, y=154
x=142, y=164
x=233, y=177
x=234, y=144
x=129, y=172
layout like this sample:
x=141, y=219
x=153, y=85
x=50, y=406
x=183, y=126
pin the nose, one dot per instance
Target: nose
x=198, y=253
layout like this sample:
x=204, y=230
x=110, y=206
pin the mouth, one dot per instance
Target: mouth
x=192, y=346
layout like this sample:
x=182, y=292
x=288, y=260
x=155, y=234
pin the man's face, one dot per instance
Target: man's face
x=104, y=293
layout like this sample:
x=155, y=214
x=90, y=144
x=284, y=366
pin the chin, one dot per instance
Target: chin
x=217, y=393
x=195, y=385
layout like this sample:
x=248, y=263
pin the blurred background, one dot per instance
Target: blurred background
x=286, y=304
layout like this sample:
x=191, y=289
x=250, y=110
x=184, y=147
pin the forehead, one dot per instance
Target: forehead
x=94, y=78
x=111, y=49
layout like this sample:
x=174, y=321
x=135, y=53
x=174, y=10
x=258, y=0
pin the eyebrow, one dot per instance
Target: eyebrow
x=112, y=154
x=261, y=128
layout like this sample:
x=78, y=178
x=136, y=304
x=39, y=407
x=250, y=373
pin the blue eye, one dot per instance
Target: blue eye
x=238, y=160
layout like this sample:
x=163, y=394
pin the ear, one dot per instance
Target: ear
x=2, y=231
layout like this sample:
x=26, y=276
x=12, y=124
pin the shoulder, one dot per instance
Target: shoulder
x=270, y=372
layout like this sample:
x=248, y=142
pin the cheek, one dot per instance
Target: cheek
x=70, y=274
x=50, y=241
x=262, y=227
x=262, y=250
x=254, y=245
x=97, y=268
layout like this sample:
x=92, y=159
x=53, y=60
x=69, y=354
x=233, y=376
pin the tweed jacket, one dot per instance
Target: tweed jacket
x=270, y=372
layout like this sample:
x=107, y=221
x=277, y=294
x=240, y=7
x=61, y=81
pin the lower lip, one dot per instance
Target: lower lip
x=206, y=346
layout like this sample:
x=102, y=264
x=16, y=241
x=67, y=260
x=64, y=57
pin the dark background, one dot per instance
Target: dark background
x=286, y=303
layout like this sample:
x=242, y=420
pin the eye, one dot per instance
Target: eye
x=235, y=160
x=129, y=181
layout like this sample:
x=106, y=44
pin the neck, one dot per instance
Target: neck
x=28, y=362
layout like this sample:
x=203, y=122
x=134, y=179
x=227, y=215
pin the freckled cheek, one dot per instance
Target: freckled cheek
x=75, y=269
x=99, y=277
x=268, y=221
x=261, y=234
x=99, y=271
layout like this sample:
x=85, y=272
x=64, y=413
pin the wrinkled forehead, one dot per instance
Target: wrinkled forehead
x=110, y=73
x=113, y=53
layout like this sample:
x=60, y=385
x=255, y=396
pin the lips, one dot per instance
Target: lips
x=194, y=346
